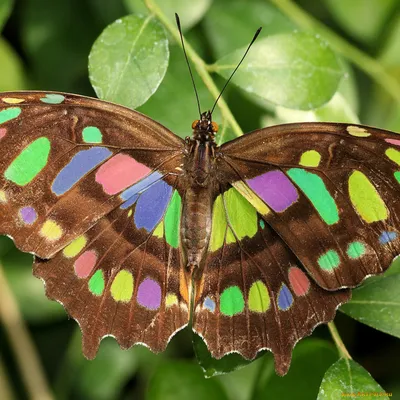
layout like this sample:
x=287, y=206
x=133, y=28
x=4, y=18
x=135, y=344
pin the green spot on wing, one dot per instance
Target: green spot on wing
x=29, y=162
x=314, y=188
x=9, y=113
x=92, y=134
x=329, y=261
x=356, y=250
x=96, y=283
x=53, y=98
x=172, y=220
x=231, y=301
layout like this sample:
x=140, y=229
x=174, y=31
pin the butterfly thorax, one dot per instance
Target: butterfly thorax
x=199, y=195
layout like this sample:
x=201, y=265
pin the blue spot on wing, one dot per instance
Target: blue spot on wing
x=285, y=298
x=80, y=164
x=151, y=206
x=387, y=237
x=130, y=195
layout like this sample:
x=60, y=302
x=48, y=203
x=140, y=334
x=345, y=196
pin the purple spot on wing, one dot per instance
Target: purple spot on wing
x=275, y=188
x=149, y=294
x=80, y=164
x=130, y=194
x=151, y=205
x=28, y=215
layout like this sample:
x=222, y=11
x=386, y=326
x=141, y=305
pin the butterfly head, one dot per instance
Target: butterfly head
x=204, y=128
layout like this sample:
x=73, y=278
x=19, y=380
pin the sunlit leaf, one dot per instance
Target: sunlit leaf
x=296, y=70
x=377, y=304
x=12, y=76
x=129, y=59
x=346, y=378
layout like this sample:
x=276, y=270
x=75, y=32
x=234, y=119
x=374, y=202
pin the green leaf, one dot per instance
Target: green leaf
x=129, y=59
x=296, y=70
x=228, y=31
x=6, y=7
x=174, y=103
x=28, y=290
x=213, y=367
x=346, y=377
x=377, y=304
x=311, y=358
x=178, y=380
x=190, y=12
x=12, y=75
x=356, y=18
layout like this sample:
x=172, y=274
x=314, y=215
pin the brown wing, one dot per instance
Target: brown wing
x=254, y=294
x=330, y=191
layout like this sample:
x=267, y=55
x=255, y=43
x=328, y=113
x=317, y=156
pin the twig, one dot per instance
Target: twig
x=28, y=361
x=338, y=341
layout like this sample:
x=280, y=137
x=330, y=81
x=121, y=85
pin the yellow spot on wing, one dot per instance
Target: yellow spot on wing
x=3, y=197
x=310, y=158
x=171, y=300
x=12, y=100
x=251, y=197
x=159, y=231
x=51, y=230
x=75, y=247
x=122, y=286
x=358, y=131
x=366, y=199
x=394, y=155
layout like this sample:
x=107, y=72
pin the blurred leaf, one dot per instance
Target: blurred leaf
x=213, y=367
x=29, y=291
x=177, y=380
x=190, y=12
x=104, y=377
x=174, y=103
x=358, y=19
x=129, y=59
x=311, y=358
x=57, y=36
x=11, y=70
x=336, y=110
x=377, y=304
x=228, y=31
x=6, y=245
x=6, y=7
x=347, y=377
x=107, y=11
x=296, y=70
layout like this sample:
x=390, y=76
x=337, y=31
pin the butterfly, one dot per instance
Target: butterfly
x=137, y=231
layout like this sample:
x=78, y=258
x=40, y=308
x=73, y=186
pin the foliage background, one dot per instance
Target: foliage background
x=45, y=45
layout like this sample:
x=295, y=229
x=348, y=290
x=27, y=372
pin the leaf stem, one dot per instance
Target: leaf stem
x=338, y=341
x=22, y=345
x=363, y=61
x=200, y=65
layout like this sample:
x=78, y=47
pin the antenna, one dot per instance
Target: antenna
x=178, y=23
x=233, y=73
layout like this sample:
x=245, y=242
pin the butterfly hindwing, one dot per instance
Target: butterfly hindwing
x=330, y=191
x=254, y=294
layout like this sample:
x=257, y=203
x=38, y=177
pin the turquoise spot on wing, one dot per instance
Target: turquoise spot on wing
x=9, y=114
x=92, y=134
x=314, y=188
x=329, y=261
x=52, y=98
x=356, y=250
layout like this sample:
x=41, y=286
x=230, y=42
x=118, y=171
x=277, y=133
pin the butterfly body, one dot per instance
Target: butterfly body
x=136, y=231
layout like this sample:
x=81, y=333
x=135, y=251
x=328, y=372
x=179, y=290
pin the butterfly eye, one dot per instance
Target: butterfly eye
x=215, y=126
x=194, y=124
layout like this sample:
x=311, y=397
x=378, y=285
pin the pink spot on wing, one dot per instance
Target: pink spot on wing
x=120, y=172
x=393, y=141
x=85, y=263
x=299, y=281
x=3, y=132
